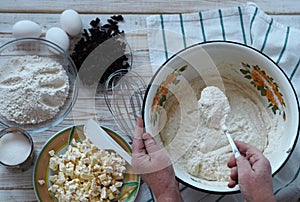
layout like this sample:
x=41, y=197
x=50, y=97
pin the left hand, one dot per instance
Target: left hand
x=153, y=165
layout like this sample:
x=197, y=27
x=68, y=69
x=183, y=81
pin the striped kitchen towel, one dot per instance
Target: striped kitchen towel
x=247, y=24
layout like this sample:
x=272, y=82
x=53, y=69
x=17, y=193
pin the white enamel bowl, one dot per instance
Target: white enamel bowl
x=204, y=60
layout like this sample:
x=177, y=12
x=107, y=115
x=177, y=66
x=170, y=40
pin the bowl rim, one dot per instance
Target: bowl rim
x=56, y=120
x=33, y=39
x=293, y=146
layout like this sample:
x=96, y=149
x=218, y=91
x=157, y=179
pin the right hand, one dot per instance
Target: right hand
x=252, y=171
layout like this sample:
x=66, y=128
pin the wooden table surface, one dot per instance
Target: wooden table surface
x=17, y=186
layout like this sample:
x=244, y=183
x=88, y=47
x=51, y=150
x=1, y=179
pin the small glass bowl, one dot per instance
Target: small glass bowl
x=42, y=48
x=17, y=138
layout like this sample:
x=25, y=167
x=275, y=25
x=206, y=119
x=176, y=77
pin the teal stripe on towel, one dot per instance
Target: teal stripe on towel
x=164, y=35
x=202, y=26
x=266, y=36
x=182, y=30
x=183, y=188
x=284, y=46
x=222, y=25
x=242, y=25
x=295, y=69
x=220, y=198
x=251, y=24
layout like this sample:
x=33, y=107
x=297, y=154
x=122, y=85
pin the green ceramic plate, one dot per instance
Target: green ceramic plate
x=59, y=143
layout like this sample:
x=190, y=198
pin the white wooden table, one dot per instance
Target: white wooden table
x=17, y=186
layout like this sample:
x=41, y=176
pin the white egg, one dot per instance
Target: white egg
x=59, y=37
x=71, y=22
x=26, y=28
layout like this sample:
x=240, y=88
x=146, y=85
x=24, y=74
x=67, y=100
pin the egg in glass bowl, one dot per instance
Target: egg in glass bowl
x=264, y=111
x=38, y=84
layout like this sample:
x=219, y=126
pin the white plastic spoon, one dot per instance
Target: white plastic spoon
x=215, y=107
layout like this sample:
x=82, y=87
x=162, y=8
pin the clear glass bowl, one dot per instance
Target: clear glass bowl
x=42, y=48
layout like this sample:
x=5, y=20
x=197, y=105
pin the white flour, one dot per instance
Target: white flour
x=32, y=89
x=215, y=107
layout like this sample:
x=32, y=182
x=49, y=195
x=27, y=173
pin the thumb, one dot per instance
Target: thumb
x=139, y=128
x=150, y=143
x=138, y=143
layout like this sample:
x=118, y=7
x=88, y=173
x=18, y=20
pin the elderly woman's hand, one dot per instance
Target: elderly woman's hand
x=153, y=165
x=252, y=172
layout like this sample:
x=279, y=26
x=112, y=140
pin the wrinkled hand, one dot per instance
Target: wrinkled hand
x=252, y=172
x=153, y=165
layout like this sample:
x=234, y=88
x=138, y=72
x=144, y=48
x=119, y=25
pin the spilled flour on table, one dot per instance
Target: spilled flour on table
x=33, y=89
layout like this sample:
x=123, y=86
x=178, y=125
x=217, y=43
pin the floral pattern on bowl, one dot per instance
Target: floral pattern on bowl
x=164, y=91
x=267, y=87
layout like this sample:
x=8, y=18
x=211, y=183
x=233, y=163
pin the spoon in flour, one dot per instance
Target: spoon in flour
x=215, y=107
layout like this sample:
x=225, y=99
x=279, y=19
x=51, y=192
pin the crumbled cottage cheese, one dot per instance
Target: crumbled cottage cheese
x=193, y=138
x=33, y=89
x=85, y=173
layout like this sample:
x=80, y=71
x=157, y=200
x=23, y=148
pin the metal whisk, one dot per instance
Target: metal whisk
x=124, y=93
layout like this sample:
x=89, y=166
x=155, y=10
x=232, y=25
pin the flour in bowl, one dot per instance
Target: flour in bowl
x=33, y=89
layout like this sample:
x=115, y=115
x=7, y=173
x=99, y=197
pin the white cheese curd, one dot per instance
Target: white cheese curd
x=85, y=173
x=195, y=142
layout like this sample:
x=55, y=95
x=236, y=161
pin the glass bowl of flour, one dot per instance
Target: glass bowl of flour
x=264, y=111
x=38, y=84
